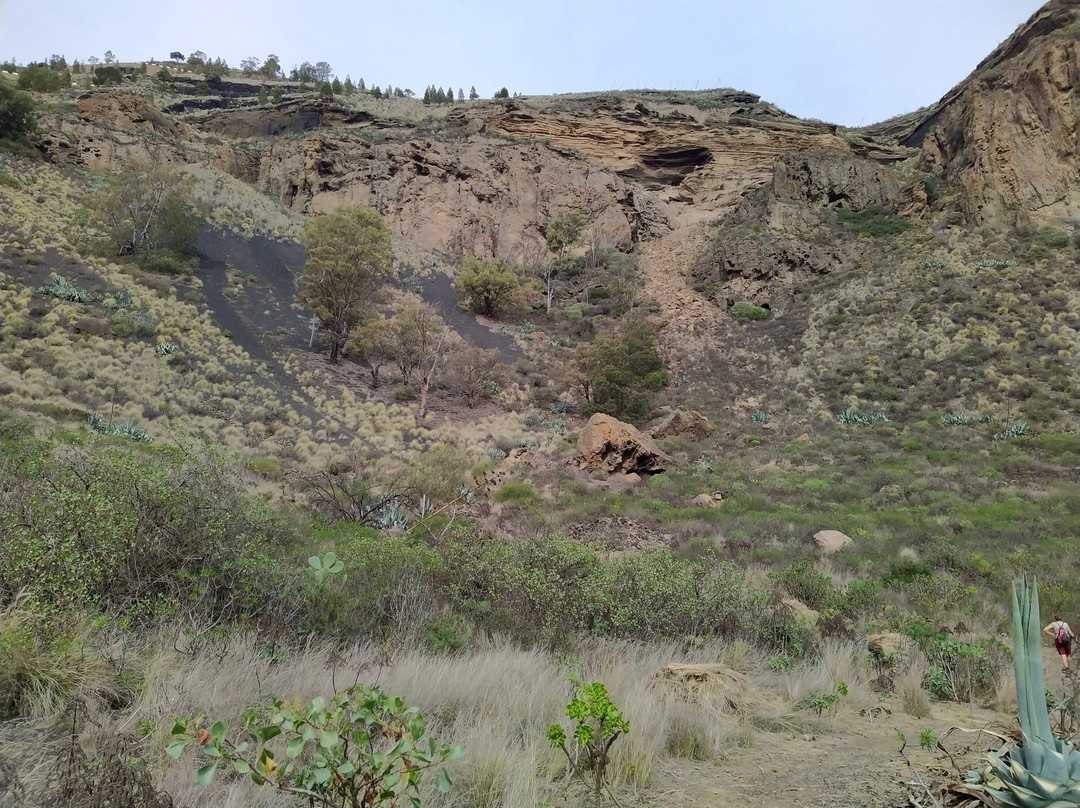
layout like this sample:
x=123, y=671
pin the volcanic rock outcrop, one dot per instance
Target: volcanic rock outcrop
x=609, y=444
x=1007, y=135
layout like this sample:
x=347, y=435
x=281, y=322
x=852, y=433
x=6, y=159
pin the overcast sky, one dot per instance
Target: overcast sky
x=846, y=61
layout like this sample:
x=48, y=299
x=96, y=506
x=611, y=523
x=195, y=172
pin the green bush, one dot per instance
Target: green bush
x=872, y=221
x=42, y=79
x=121, y=325
x=972, y=670
x=1052, y=238
x=802, y=581
x=620, y=371
x=744, y=312
x=404, y=392
x=17, y=119
x=445, y=633
x=487, y=285
x=515, y=493
x=144, y=533
x=107, y=76
x=369, y=595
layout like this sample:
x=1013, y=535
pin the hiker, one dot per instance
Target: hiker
x=1062, y=634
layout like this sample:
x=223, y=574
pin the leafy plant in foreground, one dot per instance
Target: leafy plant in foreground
x=362, y=749
x=1045, y=771
x=599, y=725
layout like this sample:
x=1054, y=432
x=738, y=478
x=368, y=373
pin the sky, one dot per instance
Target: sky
x=851, y=62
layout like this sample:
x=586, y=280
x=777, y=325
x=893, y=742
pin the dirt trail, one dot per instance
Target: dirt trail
x=853, y=765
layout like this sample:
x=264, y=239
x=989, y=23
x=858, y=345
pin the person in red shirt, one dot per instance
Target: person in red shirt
x=1062, y=634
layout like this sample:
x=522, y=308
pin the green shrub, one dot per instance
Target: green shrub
x=972, y=670
x=744, y=312
x=107, y=76
x=445, y=633
x=328, y=767
x=266, y=466
x=164, y=261
x=17, y=119
x=802, y=581
x=515, y=493
x=121, y=325
x=377, y=572
x=620, y=371
x=872, y=221
x=42, y=79
x=141, y=532
x=404, y=392
x=487, y=285
x=1052, y=238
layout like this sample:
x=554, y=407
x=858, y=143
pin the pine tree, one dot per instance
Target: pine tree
x=473, y=95
x=460, y=94
x=336, y=86
x=277, y=97
x=440, y=96
x=360, y=86
x=348, y=86
x=262, y=95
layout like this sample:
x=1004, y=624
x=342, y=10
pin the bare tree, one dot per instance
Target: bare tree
x=473, y=372
x=421, y=339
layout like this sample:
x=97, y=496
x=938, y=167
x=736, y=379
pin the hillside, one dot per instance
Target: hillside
x=851, y=356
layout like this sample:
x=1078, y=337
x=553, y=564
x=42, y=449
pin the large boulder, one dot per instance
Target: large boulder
x=684, y=423
x=831, y=541
x=609, y=444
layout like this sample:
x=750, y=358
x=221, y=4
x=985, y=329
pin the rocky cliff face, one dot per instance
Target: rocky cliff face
x=704, y=159
x=486, y=178
x=1007, y=135
x=477, y=195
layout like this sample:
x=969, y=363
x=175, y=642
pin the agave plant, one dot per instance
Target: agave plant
x=1017, y=429
x=1045, y=772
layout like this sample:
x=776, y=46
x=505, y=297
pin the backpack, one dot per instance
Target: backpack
x=1062, y=635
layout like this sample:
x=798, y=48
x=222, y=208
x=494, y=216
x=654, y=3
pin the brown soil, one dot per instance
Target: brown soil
x=856, y=765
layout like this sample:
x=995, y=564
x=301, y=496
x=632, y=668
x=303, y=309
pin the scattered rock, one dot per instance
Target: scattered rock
x=880, y=645
x=713, y=684
x=608, y=444
x=830, y=541
x=632, y=477
x=93, y=325
x=801, y=612
x=803, y=438
x=685, y=424
x=616, y=533
x=708, y=500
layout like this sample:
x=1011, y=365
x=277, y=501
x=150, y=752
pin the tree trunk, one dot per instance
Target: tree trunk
x=425, y=383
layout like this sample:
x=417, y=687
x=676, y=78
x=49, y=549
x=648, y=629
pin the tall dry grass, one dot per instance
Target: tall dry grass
x=496, y=699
